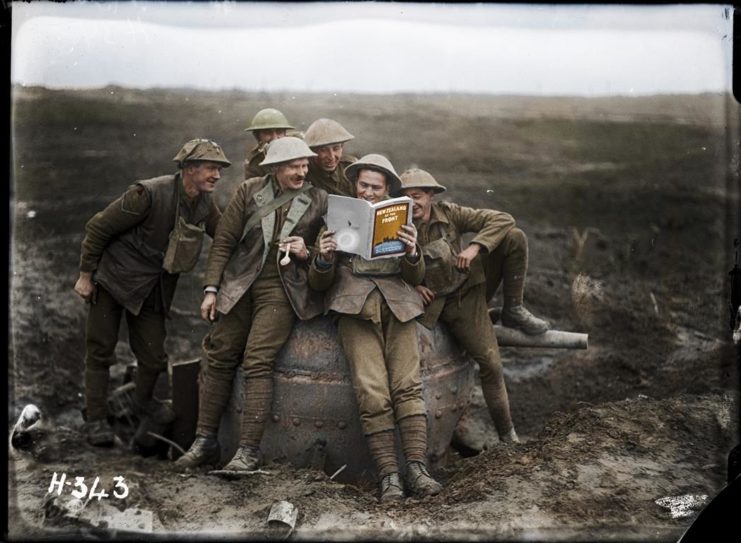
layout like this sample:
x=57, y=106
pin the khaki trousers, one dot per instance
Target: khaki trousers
x=146, y=337
x=383, y=356
x=507, y=262
x=146, y=333
x=466, y=315
x=252, y=333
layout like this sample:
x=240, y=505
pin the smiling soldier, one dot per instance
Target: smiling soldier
x=327, y=139
x=460, y=281
x=132, y=254
x=256, y=297
x=376, y=309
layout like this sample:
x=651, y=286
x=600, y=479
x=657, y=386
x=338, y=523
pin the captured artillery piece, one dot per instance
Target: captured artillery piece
x=314, y=420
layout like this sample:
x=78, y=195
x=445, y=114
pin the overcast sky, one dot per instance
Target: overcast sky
x=375, y=47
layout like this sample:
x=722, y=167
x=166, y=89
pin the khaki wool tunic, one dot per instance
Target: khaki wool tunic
x=441, y=239
x=258, y=299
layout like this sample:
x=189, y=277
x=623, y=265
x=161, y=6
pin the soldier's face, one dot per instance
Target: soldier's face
x=205, y=175
x=422, y=202
x=291, y=175
x=269, y=134
x=371, y=186
x=328, y=156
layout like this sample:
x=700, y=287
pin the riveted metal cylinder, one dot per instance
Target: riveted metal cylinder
x=312, y=384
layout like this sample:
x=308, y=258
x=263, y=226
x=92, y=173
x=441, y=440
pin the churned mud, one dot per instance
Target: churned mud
x=629, y=210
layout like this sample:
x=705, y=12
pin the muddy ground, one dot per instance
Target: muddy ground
x=630, y=205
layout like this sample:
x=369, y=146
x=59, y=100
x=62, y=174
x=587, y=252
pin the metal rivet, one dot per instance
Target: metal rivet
x=342, y=425
x=438, y=414
x=276, y=418
x=454, y=390
x=318, y=423
x=296, y=421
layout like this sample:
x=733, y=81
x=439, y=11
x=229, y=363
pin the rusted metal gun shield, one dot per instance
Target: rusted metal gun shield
x=313, y=399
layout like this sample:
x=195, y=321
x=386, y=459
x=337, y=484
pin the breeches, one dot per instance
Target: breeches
x=251, y=334
x=468, y=320
x=383, y=356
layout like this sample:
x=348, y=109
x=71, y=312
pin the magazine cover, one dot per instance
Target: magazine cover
x=609, y=133
x=387, y=221
x=368, y=230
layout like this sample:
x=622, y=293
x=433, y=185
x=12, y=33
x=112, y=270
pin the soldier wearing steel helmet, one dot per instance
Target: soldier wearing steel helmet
x=267, y=125
x=327, y=139
x=459, y=282
x=132, y=254
x=256, y=283
x=376, y=309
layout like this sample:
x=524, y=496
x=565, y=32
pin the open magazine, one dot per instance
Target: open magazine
x=367, y=229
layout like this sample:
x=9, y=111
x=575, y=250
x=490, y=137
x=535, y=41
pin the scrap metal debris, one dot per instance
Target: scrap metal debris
x=282, y=517
x=21, y=437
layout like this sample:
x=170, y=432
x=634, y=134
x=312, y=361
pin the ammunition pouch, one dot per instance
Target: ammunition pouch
x=184, y=247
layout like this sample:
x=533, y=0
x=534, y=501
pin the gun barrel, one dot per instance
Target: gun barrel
x=557, y=339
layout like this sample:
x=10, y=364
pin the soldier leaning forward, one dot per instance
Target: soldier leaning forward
x=131, y=256
x=327, y=139
x=267, y=125
x=257, y=297
x=376, y=310
x=457, y=282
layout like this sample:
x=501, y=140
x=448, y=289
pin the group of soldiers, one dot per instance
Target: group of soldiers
x=273, y=261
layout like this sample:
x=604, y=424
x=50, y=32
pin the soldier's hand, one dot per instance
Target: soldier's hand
x=84, y=286
x=466, y=256
x=427, y=294
x=208, y=307
x=327, y=245
x=295, y=245
x=408, y=235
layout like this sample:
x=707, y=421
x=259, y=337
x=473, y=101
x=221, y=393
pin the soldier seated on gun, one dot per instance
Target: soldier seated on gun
x=455, y=285
x=257, y=296
x=376, y=309
x=132, y=255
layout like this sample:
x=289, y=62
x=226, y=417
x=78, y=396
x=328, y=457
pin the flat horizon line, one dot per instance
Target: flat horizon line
x=226, y=90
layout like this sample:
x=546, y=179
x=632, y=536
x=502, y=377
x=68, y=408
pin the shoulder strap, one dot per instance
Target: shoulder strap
x=272, y=206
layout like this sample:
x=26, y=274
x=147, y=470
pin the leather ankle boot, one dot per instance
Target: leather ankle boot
x=204, y=450
x=419, y=482
x=390, y=489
